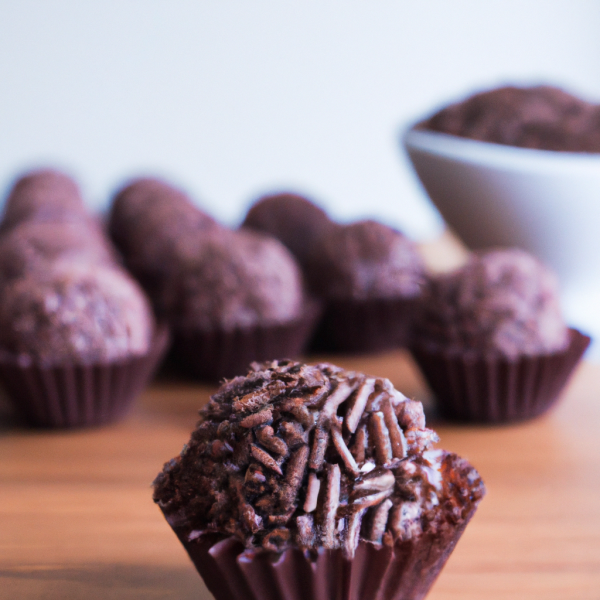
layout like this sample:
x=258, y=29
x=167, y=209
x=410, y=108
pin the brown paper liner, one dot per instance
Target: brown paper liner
x=214, y=355
x=495, y=389
x=404, y=572
x=359, y=327
x=79, y=395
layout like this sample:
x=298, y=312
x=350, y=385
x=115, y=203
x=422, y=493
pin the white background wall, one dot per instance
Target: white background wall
x=233, y=98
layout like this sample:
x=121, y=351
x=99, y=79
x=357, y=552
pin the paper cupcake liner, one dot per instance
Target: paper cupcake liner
x=495, y=389
x=357, y=327
x=79, y=395
x=214, y=355
x=404, y=572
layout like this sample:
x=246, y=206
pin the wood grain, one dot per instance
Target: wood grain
x=77, y=520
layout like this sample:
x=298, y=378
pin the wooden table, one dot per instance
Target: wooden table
x=77, y=520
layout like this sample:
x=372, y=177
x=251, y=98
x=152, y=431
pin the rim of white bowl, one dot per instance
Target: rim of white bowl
x=489, y=154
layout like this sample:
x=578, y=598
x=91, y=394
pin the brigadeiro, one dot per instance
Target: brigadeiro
x=148, y=221
x=43, y=195
x=541, y=117
x=492, y=341
x=294, y=220
x=77, y=344
x=314, y=482
x=370, y=277
x=77, y=335
x=234, y=297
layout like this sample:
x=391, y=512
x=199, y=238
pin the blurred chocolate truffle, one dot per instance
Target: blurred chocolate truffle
x=541, y=117
x=148, y=221
x=35, y=245
x=502, y=301
x=233, y=279
x=294, y=220
x=43, y=195
x=365, y=260
x=73, y=314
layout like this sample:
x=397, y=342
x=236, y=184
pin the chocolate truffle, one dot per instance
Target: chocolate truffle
x=33, y=246
x=542, y=117
x=73, y=314
x=502, y=301
x=148, y=221
x=319, y=458
x=44, y=195
x=294, y=220
x=233, y=279
x=365, y=260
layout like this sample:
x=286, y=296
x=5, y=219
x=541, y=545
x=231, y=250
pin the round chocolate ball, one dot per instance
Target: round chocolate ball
x=305, y=457
x=74, y=314
x=502, y=301
x=365, y=260
x=232, y=279
x=148, y=221
x=292, y=219
x=43, y=195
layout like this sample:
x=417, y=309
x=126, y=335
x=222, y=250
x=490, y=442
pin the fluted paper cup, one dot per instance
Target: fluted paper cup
x=365, y=326
x=494, y=389
x=79, y=395
x=211, y=355
x=404, y=572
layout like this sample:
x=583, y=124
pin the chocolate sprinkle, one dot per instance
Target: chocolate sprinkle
x=275, y=471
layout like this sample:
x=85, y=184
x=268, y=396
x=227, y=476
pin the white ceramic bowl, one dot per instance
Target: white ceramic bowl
x=543, y=201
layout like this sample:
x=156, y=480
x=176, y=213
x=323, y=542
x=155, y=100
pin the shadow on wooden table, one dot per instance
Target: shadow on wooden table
x=94, y=581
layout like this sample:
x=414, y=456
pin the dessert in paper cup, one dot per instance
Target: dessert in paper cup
x=78, y=340
x=492, y=342
x=236, y=297
x=370, y=277
x=311, y=482
x=367, y=275
x=77, y=345
x=230, y=297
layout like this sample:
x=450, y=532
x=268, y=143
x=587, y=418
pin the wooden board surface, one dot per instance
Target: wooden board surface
x=77, y=519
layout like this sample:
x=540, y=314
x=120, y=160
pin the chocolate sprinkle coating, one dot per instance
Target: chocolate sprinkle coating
x=365, y=260
x=304, y=456
x=502, y=302
x=74, y=314
x=294, y=220
x=542, y=117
